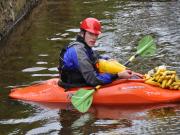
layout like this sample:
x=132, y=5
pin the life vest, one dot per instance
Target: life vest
x=71, y=78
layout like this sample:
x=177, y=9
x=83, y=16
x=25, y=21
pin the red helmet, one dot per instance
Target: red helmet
x=91, y=25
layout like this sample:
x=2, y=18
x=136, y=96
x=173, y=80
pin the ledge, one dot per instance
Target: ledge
x=12, y=12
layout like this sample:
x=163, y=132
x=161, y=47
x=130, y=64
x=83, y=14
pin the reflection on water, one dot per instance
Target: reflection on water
x=39, y=121
x=31, y=55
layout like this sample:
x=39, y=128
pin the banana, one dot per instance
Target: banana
x=156, y=78
x=176, y=83
x=171, y=72
x=176, y=87
x=168, y=77
x=161, y=68
x=161, y=78
x=176, y=78
x=158, y=71
x=173, y=76
x=150, y=81
x=170, y=81
x=147, y=76
x=168, y=72
x=163, y=85
x=171, y=87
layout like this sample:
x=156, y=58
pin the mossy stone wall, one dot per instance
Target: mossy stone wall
x=12, y=11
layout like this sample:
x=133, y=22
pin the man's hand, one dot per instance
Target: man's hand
x=126, y=74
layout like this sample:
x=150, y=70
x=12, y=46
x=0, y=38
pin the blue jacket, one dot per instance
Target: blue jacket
x=79, y=62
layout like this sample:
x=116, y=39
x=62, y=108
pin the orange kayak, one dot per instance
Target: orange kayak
x=119, y=92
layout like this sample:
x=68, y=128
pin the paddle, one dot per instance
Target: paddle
x=83, y=98
x=146, y=47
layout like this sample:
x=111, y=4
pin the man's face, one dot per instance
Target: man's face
x=90, y=38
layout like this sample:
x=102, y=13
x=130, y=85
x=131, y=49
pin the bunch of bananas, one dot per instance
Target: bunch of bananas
x=163, y=78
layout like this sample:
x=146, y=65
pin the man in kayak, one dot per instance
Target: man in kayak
x=77, y=62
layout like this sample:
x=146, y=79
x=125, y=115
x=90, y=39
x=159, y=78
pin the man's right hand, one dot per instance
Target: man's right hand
x=126, y=74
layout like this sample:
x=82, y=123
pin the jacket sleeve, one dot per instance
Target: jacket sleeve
x=85, y=66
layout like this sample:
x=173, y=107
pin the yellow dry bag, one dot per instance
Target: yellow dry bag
x=110, y=66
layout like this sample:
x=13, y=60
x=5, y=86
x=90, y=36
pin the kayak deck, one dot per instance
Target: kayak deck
x=118, y=92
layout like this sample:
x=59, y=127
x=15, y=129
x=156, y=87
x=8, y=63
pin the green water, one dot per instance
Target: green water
x=31, y=53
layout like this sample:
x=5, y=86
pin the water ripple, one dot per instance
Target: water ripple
x=41, y=116
x=52, y=128
x=34, y=69
x=50, y=75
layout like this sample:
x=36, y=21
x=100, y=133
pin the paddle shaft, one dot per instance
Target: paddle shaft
x=131, y=59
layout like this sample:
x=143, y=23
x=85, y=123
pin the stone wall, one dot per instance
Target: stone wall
x=11, y=12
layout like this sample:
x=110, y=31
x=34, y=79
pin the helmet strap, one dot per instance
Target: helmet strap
x=83, y=32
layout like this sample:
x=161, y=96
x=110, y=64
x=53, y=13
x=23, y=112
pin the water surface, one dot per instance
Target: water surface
x=31, y=55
